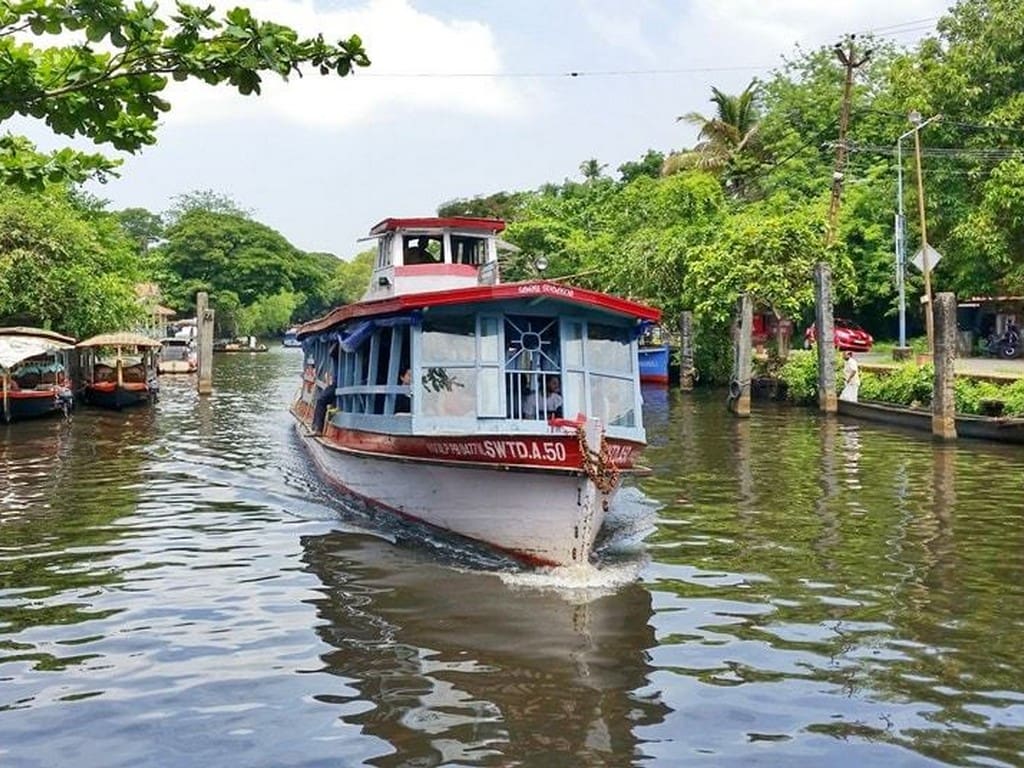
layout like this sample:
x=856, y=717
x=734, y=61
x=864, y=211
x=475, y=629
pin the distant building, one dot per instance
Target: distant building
x=156, y=316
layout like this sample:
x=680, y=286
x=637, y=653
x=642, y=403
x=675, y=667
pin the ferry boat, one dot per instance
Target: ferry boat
x=506, y=413
x=119, y=370
x=33, y=373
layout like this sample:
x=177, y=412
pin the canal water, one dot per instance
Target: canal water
x=178, y=588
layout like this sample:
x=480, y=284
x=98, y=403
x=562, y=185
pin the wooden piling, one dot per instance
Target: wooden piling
x=739, y=387
x=824, y=329
x=943, y=400
x=686, y=370
x=204, y=342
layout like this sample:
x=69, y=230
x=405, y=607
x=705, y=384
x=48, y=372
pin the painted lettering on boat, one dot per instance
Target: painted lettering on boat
x=514, y=450
x=554, y=290
x=621, y=454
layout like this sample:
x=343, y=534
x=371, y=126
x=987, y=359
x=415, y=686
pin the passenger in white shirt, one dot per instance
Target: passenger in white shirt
x=549, y=405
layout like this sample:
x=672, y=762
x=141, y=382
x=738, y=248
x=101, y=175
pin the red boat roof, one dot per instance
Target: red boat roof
x=538, y=289
x=451, y=222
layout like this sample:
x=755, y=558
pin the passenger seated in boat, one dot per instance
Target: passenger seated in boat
x=540, y=406
x=403, y=403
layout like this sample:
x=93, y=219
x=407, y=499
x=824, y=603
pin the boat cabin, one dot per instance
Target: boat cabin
x=440, y=346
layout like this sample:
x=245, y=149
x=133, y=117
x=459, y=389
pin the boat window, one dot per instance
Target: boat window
x=572, y=339
x=468, y=250
x=608, y=349
x=384, y=251
x=532, y=362
x=489, y=339
x=448, y=391
x=423, y=249
x=449, y=339
x=382, y=353
x=613, y=400
x=491, y=398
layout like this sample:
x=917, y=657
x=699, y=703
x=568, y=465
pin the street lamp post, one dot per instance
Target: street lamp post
x=901, y=243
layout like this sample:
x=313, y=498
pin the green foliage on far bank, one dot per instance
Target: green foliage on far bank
x=65, y=264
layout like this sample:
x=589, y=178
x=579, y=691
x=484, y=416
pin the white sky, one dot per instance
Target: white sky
x=322, y=159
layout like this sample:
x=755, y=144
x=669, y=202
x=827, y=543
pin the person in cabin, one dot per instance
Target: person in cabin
x=403, y=403
x=544, y=406
x=851, y=378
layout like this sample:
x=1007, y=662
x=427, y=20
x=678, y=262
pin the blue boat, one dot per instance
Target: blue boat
x=654, y=364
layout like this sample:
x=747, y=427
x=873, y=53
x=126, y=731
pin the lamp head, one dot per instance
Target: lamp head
x=541, y=263
x=914, y=117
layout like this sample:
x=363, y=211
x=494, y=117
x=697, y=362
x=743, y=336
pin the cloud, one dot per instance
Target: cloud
x=757, y=26
x=403, y=44
x=620, y=25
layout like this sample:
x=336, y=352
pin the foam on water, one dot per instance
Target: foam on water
x=577, y=583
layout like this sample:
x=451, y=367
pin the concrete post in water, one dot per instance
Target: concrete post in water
x=204, y=341
x=686, y=370
x=739, y=387
x=943, y=401
x=824, y=330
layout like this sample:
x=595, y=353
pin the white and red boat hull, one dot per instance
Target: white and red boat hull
x=544, y=515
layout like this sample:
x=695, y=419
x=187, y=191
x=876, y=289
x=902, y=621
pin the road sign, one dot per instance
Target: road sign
x=934, y=257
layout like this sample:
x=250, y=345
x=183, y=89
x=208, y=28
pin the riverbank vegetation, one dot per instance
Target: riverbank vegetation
x=908, y=385
x=742, y=210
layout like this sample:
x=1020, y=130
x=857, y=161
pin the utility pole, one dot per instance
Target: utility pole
x=848, y=58
x=929, y=312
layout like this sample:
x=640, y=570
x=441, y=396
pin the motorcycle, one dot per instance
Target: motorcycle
x=1007, y=346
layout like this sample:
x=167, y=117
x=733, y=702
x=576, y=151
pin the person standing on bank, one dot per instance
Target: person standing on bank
x=851, y=378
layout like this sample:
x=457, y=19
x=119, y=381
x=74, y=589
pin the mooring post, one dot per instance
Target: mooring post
x=686, y=371
x=943, y=401
x=824, y=331
x=739, y=387
x=204, y=340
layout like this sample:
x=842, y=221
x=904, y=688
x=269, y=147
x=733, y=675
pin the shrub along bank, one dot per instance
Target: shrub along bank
x=908, y=384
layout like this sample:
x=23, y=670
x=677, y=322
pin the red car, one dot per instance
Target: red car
x=848, y=335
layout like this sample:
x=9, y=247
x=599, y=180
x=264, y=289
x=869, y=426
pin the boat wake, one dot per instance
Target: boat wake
x=577, y=584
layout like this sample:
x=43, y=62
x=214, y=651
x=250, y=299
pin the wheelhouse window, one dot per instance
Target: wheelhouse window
x=384, y=251
x=468, y=250
x=422, y=249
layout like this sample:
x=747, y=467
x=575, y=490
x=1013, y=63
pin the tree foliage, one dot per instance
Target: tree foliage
x=250, y=270
x=108, y=62
x=65, y=266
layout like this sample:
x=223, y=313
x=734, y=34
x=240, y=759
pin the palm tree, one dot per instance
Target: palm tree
x=727, y=141
x=592, y=169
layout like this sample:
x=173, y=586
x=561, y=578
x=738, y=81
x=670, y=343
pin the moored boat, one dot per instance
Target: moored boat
x=654, y=361
x=503, y=412
x=177, y=355
x=1000, y=429
x=240, y=344
x=119, y=370
x=33, y=373
x=291, y=338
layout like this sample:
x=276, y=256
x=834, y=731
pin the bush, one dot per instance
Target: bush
x=713, y=353
x=800, y=375
x=906, y=385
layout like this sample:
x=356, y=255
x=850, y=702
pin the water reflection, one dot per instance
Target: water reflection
x=871, y=580
x=816, y=592
x=457, y=667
